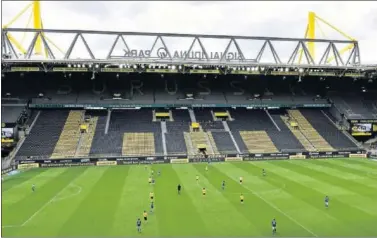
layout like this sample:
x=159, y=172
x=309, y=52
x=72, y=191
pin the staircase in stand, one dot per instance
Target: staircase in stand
x=309, y=132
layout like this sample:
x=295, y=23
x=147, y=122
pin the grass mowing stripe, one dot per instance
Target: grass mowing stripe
x=325, y=222
x=367, y=163
x=95, y=215
x=266, y=209
x=356, y=204
x=222, y=214
x=287, y=201
x=354, y=198
x=176, y=213
x=18, y=179
x=360, y=168
x=351, y=173
x=134, y=200
x=50, y=219
x=36, y=201
x=337, y=178
x=17, y=193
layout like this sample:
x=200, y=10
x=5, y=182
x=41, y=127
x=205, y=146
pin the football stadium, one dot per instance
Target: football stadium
x=177, y=138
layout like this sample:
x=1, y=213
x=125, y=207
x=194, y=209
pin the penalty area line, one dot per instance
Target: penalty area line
x=54, y=199
x=45, y=205
x=282, y=212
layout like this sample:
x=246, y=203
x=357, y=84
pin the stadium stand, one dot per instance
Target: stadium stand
x=224, y=142
x=134, y=132
x=85, y=143
x=355, y=107
x=45, y=134
x=124, y=127
x=103, y=143
x=298, y=134
x=327, y=130
x=175, y=141
x=309, y=131
x=206, y=119
x=67, y=144
x=284, y=139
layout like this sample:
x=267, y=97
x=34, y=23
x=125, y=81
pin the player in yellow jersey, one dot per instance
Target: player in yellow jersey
x=204, y=191
x=206, y=168
x=241, y=180
x=197, y=178
x=241, y=198
x=145, y=215
x=150, y=180
x=151, y=196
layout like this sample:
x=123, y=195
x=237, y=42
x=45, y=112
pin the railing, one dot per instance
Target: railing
x=183, y=155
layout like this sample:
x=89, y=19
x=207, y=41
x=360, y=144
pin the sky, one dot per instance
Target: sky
x=250, y=18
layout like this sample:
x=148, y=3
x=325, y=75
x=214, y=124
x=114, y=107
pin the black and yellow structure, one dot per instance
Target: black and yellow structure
x=199, y=142
x=309, y=132
x=87, y=134
x=195, y=127
x=69, y=138
x=293, y=127
x=222, y=116
x=138, y=144
x=165, y=115
x=258, y=142
x=84, y=128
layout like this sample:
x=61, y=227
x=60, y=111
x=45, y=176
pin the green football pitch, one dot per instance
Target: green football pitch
x=106, y=201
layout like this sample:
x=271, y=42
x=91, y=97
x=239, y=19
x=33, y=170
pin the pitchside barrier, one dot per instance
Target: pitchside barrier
x=28, y=164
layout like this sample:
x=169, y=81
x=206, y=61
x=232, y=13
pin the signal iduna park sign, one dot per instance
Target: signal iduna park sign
x=163, y=53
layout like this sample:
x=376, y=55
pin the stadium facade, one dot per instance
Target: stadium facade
x=159, y=105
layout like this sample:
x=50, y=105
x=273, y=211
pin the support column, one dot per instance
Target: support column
x=108, y=121
x=163, y=131
x=192, y=115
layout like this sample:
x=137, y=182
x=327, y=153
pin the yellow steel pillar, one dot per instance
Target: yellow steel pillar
x=37, y=25
x=311, y=33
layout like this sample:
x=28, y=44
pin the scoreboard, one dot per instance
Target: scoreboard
x=363, y=127
x=7, y=132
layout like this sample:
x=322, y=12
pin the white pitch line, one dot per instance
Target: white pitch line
x=10, y=226
x=37, y=212
x=40, y=209
x=277, y=209
x=71, y=195
x=45, y=205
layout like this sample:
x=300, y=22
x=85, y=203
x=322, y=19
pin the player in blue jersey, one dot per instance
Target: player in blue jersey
x=223, y=185
x=138, y=225
x=159, y=173
x=327, y=199
x=264, y=172
x=273, y=223
x=152, y=206
x=33, y=188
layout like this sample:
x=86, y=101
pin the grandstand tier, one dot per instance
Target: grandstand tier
x=311, y=134
x=134, y=133
x=218, y=120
